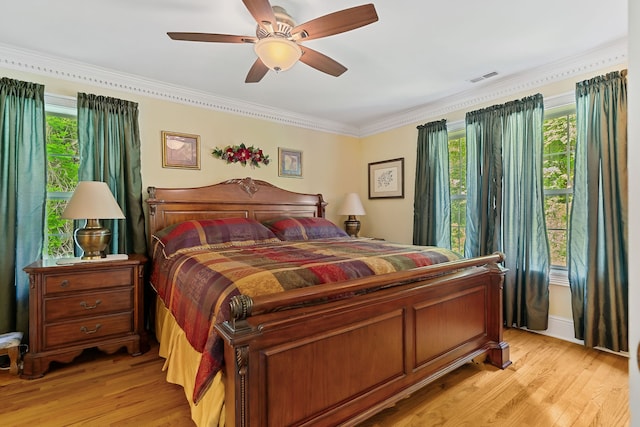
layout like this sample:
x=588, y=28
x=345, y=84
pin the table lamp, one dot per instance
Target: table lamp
x=92, y=201
x=352, y=206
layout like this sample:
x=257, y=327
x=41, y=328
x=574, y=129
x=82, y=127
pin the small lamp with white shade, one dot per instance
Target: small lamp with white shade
x=92, y=201
x=352, y=206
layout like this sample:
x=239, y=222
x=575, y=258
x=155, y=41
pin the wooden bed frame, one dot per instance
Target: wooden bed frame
x=339, y=353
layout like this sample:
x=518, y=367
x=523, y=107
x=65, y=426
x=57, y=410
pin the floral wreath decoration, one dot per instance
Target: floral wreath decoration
x=241, y=154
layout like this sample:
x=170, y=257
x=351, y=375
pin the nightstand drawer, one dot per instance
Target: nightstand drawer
x=79, y=281
x=81, y=330
x=88, y=304
x=75, y=306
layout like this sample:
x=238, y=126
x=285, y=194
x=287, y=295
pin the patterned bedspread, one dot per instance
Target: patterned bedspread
x=196, y=284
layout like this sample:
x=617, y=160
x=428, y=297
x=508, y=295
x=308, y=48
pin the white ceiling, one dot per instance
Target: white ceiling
x=418, y=53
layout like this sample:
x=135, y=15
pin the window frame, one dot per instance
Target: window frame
x=554, y=107
x=66, y=106
x=455, y=134
x=559, y=275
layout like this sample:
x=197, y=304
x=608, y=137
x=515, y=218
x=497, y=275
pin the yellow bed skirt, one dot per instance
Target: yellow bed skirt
x=181, y=364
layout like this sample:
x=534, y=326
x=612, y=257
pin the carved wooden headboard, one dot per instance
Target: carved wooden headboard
x=247, y=198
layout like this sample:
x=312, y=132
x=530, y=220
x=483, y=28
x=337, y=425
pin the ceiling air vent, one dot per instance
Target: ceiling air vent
x=486, y=76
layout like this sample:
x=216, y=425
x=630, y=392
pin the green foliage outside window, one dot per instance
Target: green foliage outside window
x=559, y=134
x=62, y=178
x=458, y=191
x=559, y=158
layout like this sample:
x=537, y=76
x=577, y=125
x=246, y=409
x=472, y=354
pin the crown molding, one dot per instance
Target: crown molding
x=41, y=64
x=611, y=54
x=607, y=55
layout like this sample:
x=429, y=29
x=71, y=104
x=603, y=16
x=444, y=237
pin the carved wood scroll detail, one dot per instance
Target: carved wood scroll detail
x=242, y=362
x=247, y=184
x=152, y=195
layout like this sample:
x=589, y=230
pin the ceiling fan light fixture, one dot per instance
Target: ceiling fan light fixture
x=278, y=53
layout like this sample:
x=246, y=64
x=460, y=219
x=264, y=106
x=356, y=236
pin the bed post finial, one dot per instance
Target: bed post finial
x=241, y=306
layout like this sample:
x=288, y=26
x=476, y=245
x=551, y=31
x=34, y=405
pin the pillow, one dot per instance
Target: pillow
x=213, y=233
x=304, y=228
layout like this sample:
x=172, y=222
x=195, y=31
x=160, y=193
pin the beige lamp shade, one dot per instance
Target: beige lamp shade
x=278, y=53
x=351, y=205
x=92, y=200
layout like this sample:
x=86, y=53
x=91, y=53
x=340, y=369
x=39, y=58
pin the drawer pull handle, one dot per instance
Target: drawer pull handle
x=64, y=284
x=92, y=331
x=89, y=307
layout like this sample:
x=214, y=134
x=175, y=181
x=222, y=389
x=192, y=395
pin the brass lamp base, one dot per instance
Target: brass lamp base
x=93, y=239
x=352, y=226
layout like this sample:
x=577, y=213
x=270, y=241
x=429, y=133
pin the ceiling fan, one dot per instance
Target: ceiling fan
x=278, y=39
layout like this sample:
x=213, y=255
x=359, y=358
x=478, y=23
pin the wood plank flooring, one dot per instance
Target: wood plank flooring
x=550, y=383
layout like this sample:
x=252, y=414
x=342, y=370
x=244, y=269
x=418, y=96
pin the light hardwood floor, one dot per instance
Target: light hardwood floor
x=550, y=383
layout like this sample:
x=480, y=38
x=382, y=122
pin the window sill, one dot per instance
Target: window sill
x=559, y=277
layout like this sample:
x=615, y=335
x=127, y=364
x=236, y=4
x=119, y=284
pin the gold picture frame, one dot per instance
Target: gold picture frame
x=289, y=163
x=386, y=179
x=180, y=150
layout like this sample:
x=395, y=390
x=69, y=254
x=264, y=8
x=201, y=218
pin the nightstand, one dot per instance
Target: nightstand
x=75, y=306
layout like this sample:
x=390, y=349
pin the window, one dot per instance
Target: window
x=62, y=177
x=558, y=165
x=458, y=189
x=559, y=132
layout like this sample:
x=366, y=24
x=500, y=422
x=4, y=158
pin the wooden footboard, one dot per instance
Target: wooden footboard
x=339, y=355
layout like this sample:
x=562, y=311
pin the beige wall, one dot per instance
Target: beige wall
x=328, y=159
x=332, y=164
x=392, y=219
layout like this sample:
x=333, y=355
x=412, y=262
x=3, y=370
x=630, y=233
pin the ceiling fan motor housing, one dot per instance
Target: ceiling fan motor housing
x=284, y=25
x=278, y=49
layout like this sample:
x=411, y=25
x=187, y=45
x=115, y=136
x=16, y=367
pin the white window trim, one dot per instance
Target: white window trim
x=59, y=104
x=63, y=105
x=559, y=276
x=554, y=106
x=567, y=100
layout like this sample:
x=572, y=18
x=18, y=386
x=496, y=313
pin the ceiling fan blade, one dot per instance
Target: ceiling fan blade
x=262, y=12
x=321, y=62
x=208, y=37
x=336, y=23
x=257, y=72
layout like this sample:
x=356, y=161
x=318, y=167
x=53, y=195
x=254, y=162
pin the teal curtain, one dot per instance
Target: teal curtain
x=109, y=140
x=505, y=204
x=484, y=182
x=598, y=258
x=22, y=196
x=432, y=204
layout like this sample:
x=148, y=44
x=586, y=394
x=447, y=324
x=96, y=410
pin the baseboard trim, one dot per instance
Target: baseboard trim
x=561, y=328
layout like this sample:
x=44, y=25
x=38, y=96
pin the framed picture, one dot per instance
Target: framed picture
x=386, y=179
x=289, y=163
x=180, y=150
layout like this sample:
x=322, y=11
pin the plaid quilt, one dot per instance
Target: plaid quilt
x=196, y=284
